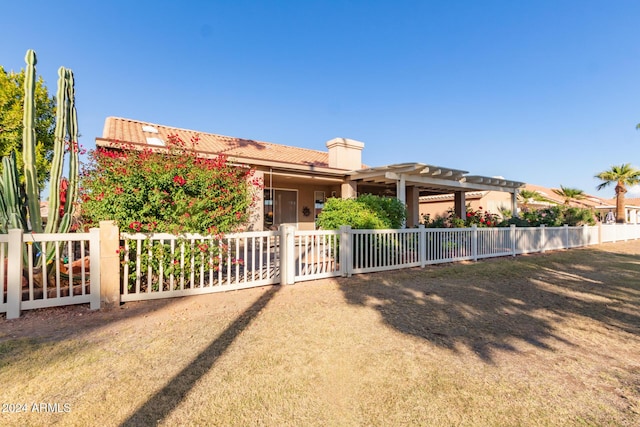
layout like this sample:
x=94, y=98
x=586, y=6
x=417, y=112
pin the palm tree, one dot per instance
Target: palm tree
x=528, y=196
x=569, y=194
x=623, y=176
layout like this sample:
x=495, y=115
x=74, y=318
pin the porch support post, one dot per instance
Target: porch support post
x=348, y=189
x=401, y=192
x=256, y=211
x=413, y=206
x=514, y=204
x=460, y=205
x=401, y=189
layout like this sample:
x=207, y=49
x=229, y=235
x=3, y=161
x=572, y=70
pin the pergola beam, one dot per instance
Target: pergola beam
x=450, y=184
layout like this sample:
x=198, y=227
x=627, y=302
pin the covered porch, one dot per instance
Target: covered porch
x=409, y=181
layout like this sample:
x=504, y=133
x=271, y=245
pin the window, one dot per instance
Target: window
x=319, y=199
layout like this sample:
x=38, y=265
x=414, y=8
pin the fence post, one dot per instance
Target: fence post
x=422, y=245
x=566, y=236
x=585, y=235
x=543, y=243
x=512, y=236
x=14, y=273
x=109, y=264
x=346, y=256
x=474, y=242
x=287, y=254
x=94, y=262
x=600, y=233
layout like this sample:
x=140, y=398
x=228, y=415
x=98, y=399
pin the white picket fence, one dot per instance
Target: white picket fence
x=30, y=285
x=163, y=265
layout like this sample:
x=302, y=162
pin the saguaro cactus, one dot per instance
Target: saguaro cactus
x=29, y=144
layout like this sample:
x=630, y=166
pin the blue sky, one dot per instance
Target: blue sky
x=545, y=92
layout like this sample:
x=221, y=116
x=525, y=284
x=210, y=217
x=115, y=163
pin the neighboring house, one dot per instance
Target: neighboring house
x=297, y=181
x=599, y=205
x=496, y=202
x=632, y=209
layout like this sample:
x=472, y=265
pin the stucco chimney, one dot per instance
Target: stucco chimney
x=345, y=153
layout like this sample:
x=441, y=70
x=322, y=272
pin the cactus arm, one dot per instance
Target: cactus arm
x=11, y=206
x=13, y=210
x=29, y=143
x=74, y=148
x=58, y=153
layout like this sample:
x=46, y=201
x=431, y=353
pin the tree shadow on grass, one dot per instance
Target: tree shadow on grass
x=160, y=405
x=497, y=304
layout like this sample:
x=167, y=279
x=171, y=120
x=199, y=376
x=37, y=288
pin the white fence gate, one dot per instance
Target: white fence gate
x=164, y=265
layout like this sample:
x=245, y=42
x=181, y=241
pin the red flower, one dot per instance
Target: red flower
x=179, y=180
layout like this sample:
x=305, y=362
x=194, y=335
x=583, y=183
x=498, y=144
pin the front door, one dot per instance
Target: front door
x=280, y=207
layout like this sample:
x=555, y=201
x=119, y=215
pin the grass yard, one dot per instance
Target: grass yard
x=541, y=340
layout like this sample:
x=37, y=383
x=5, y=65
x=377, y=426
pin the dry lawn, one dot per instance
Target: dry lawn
x=540, y=340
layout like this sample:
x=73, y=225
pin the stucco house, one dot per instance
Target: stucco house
x=297, y=181
x=495, y=202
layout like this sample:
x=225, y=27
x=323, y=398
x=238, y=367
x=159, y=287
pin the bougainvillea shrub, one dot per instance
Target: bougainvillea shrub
x=477, y=217
x=167, y=189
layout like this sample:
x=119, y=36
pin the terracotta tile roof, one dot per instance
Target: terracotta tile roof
x=630, y=201
x=589, y=200
x=133, y=131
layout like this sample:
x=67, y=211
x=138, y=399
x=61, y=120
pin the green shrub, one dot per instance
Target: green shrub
x=364, y=212
x=555, y=216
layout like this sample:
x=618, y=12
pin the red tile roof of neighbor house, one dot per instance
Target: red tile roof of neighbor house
x=137, y=132
x=633, y=201
x=589, y=201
